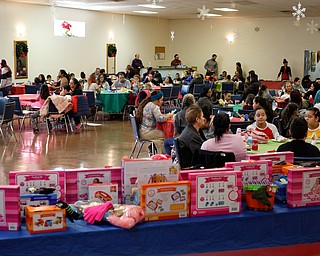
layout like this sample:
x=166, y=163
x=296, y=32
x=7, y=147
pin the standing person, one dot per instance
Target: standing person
x=6, y=78
x=176, y=62
x=82, y=79
x=137, y=63
x=211, y=66
x=239, y=70
x=285, y=71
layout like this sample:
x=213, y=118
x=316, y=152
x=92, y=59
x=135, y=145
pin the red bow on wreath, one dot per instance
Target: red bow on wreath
x=66, y=25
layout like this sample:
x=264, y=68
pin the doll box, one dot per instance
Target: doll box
x=77, y=181
x=167, y=200
x=39, y=179
x=10, y=208
x=148, y=171
x=303, y=187
x=104, y=192
x=45, y=219
x=253, y=172
x=184, y=173
x=36, y=200
x=286, y=156
x=215, y=193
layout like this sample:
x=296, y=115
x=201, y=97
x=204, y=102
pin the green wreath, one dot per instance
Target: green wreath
x=21, y=49
x=112, y=50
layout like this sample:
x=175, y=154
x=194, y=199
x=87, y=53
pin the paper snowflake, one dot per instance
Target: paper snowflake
x=298, y=11
x=257, y=29
x=296, y=23
x=233, y=4
x=312, y=27
x=154, y=1
x=203, y=12
x=172, y=35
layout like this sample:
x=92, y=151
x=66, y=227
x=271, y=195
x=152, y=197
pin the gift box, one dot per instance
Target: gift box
x=303, y=187
x=10, y=208
x=215, y=193
x=77, y=181
x=282, y=183
x=167, y=200
x=145, y=170
x=36, y=200
x=39, y=179
x=275, y=157
x=254, y=204
x=104, y=192
x=45, y=219
x=184, y=173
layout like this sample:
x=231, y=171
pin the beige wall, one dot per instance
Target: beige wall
x=195, y=40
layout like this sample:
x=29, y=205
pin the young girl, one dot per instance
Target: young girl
x=262, y=125
x=312, y=117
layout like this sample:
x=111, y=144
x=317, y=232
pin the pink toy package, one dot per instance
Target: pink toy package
x=257, y=172
x=286, y=156
x=215, y=193
x=39, y=179
x=184, y=173
x=303, y=187
x=10, y=207
x=77, y=181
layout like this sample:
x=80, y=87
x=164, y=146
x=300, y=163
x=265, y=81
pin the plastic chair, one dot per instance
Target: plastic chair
x=6, y=122
x=83, y=110
x=175, y=93
x=236, y=97
x=212, y=159
x=31, y=89
x=245, y=111
x=57, y=118
x=138, y=141
x=19, y=112
x=227, y=87
x=166, y=93
x=197, y=89
x=92, y=102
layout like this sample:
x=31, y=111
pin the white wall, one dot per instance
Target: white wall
x=195, y=40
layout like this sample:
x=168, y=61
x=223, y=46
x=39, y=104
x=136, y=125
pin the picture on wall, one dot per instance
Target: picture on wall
x=21, y=59
x=159, y=53
x=69, y=28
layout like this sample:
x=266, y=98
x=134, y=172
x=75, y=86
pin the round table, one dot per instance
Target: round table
x=113, y=102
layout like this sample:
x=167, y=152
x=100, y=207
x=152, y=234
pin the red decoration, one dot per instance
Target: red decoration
x=66, y=25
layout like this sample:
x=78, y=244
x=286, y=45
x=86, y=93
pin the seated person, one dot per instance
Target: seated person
x=3, y=102
x=262, y=125
x=287, y=115
x=312, y=117
x=177, y=79
x=298, y=146
x=248, y=103
x=223, y=140
x=205, y=98
x=121, y=82
x=191, y=138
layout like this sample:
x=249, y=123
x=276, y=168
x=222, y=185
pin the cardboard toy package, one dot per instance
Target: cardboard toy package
x=165, y=200
x=45, y=219
x=39, y=179
x=215, y=193
x=104, y=192
x=184, y=173
x=10, y=208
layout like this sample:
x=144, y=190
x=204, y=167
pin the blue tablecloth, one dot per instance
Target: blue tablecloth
x=113, y=102
x=250, y=229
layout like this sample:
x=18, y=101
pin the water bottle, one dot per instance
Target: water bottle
x=238, y=131
x=274, y=105
x=249, y=141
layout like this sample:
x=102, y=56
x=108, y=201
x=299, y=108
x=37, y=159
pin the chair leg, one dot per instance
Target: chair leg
x=140, y=147
x=22, y=123
x=134, y=148
x=2, y=135
x=12, y=130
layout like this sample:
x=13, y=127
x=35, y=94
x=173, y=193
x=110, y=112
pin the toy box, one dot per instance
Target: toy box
x=45, y=219
x=303, y=187
x=214, y=193
x=286, y=156
x=184, y=173
x=77, y=181
x=10, y=208
x=167, y=200
x=104, y=192
x=282, y=183
x=146, y=170
x=253, y=172
x=39, y=179
x=36, y=200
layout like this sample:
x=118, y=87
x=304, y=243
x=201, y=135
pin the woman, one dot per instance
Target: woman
x=205, y=98
x=285, y=71
x=42, y=79
x=62, y=81
x=197, y=79
x=102, y=82
x=287, y=115
x=6, y=78
x=167, y=82
x=264, y=92
x=311, y=93
x=223, y=140
x=148, y=115
x=75, y=89
x=91, y=85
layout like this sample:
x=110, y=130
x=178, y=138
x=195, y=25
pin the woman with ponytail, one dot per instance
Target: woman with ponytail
x=5, y=77
x=223, y=140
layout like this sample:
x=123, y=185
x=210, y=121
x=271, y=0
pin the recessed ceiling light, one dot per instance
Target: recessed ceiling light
x=153, y=6
x=225, y=9
x=212, y=15
x=146, y=12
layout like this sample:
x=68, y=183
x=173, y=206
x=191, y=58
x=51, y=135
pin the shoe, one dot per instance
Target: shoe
x=35, y=130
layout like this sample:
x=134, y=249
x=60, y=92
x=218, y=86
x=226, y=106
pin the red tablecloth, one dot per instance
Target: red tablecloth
x=26, y=99
x=18, y=89
x=167, y=127
x=276, y=85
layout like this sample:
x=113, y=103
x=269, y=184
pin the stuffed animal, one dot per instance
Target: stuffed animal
x=132, y=214
x=262, y=195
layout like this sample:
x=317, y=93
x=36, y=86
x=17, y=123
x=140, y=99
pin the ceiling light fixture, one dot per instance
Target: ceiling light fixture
x=225, y=9
x=152, y=6
x=145, y=12
x=212, y=15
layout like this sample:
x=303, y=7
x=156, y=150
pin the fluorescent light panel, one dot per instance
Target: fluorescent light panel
x=225, y=9
x=152, y=6
x=212, y=15
x=146, y=12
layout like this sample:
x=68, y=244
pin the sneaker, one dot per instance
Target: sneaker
x=35, y=130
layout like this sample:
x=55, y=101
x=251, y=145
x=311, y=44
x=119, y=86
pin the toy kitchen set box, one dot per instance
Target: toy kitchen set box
x=215, y=193
x=136, y=172
x=10, y=208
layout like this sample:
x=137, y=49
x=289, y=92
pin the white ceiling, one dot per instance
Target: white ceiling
x=188, y=9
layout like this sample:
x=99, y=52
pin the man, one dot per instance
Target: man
x=121, y=82
x=191, y=138
x=137, y=63
x=212, y=66
x=300, y=148
x=176, y=62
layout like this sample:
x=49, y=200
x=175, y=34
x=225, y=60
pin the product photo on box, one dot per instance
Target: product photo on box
x=104, y=192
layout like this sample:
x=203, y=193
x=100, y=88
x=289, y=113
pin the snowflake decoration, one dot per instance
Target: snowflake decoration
x=312, y=27
x=233, y=4
x=154, y=1
x=257, y=29
x=203, y=12
x=298, y=11
x=172, y=35
x=296, y=23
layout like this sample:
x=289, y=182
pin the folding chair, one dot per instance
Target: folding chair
x=138, y=141
x=6, y=122
x=166, y=93
x=57, y=118
x=31, y=89
x=197, y=89
x=236, y=97
x=227, y=87
x=174, y=94
x=92, y=102
x=83, y=110
x=212, y=159
x=19, y=112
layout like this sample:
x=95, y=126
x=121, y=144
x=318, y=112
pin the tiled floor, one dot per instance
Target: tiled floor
x=97, y=147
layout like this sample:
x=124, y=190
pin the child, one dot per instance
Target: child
x=312, y=117
x=248, y=105
x=262, y=125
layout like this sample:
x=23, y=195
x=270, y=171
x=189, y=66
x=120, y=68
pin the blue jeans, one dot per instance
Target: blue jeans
x=168, y=143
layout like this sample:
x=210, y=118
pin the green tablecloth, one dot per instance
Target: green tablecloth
x=113, y=102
